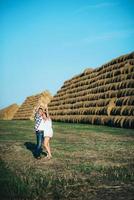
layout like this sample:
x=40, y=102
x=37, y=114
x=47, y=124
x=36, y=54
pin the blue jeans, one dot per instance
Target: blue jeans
x=40, y=139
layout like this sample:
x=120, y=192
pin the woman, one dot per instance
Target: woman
x=48, y=132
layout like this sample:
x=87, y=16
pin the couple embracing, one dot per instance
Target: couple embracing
x=44, y=132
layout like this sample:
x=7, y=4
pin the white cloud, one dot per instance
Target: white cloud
x=95, y=6
x=107, y=36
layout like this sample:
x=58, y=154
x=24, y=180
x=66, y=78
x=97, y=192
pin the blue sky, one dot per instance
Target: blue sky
x=45, y=42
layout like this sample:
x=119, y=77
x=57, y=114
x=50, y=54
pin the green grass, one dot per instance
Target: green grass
x=89, y=162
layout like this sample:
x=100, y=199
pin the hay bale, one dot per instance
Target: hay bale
x=8, y=112
x=88, y=71
x=101, y=96
x=31, y=104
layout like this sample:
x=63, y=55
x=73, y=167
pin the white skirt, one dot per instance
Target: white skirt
x=48, y=131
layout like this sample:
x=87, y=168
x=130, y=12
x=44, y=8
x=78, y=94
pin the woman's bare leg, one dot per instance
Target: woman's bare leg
x=47, y=146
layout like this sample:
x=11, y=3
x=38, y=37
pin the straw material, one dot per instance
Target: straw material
x=8, y=112
x=31, y=104
x=104, y=95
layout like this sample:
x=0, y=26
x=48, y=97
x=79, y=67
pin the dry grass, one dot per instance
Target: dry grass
x=89, y=162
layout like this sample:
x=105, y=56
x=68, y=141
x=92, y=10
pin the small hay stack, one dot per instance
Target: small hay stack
x=29, y=106
x=8, y=112
x=104, y=95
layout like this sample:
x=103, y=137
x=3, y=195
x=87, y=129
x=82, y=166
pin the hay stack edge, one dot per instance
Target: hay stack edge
x=104, y=95
x=29, y=106
x=8, y=112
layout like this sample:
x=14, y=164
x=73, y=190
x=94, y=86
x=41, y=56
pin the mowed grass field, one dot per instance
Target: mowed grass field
x=89, y=162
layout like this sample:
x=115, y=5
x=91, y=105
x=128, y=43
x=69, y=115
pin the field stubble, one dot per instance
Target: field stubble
x=89, y=162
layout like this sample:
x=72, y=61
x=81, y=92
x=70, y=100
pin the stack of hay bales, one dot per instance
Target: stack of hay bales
x=28, y=108
x=8, y=112
x=101, y=96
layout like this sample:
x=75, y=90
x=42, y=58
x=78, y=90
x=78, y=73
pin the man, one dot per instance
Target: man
x=39, y=128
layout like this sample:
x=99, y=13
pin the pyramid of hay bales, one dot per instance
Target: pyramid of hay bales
x=104, y=95
x=29, y=106
x=8, y=112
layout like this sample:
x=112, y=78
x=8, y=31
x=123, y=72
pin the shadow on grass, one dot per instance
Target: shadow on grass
x=32, y=147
